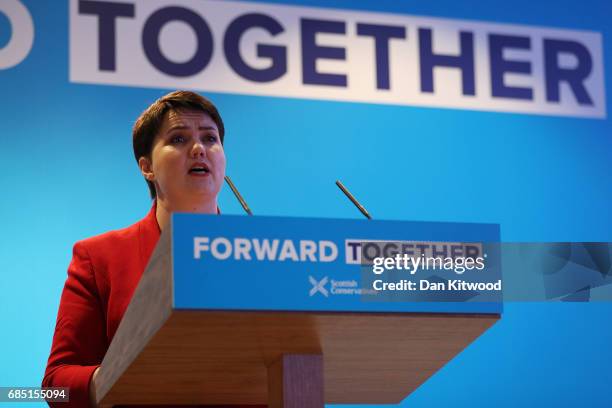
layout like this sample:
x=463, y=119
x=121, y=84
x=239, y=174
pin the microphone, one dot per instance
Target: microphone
x=238, y=196
x=354, y=200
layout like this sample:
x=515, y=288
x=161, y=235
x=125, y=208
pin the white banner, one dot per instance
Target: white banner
x=318, y=53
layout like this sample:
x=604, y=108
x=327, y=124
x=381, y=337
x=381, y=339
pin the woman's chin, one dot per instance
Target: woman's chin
x=198, y=196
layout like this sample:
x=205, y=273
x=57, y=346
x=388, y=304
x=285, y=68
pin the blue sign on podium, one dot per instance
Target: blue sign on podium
x=334, y=265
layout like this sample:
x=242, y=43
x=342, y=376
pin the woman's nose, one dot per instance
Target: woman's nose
x=198, y=150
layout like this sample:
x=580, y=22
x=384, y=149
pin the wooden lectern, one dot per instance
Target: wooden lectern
x=164, y=354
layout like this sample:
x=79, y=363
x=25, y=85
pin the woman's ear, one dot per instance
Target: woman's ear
x=146, y=169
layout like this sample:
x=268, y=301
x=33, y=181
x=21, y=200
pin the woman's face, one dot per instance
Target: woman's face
x=187, y=163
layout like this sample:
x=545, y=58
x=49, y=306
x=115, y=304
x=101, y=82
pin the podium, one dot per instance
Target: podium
x=272, y=311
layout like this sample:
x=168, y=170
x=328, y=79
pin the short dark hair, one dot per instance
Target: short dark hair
x=150, y=121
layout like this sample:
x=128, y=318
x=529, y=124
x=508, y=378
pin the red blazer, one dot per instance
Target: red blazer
x=102, y=277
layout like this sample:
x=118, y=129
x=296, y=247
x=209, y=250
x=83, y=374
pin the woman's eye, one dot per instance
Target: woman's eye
x=177, y=139
x=211, y=138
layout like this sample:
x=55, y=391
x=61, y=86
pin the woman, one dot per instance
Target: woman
x=178, y=144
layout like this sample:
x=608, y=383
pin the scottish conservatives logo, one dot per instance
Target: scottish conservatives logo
x=336, y=287
x=318, y=286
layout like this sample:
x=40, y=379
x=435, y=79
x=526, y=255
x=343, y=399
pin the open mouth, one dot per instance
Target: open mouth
x=199, y=169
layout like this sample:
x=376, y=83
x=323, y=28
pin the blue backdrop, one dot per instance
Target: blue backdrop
x=67, y=172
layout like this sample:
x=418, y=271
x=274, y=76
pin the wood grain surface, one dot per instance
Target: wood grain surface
x=216, y=357
x=296, y=381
